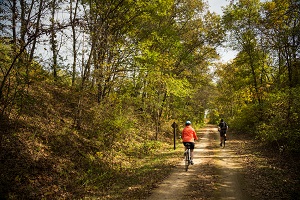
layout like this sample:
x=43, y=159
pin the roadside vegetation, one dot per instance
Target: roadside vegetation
x=258, y=92
x=45, y=156
x=88, y=97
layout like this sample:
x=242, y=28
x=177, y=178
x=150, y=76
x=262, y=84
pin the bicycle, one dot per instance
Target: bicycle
x=187, y=156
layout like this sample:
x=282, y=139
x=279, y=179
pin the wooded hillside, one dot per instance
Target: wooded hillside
x=88, y=89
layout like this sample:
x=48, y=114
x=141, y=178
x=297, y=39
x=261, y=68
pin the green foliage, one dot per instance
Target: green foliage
x=281, y=124
x=110, y=124
x=178, y=87
x=143, y=65
x=258, y=92
x=245, y=120
x=148, y=147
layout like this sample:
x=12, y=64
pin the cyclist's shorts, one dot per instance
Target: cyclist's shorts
x=192, y=144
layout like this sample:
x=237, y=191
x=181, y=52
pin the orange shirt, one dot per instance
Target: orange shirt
x=188, y=134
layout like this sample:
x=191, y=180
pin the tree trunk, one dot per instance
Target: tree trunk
x=53, y=40
x=73, y=26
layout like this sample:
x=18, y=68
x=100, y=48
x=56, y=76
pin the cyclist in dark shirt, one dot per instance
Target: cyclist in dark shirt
x=222, y=128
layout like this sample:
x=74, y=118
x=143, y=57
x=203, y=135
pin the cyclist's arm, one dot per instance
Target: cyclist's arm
x=195, y=136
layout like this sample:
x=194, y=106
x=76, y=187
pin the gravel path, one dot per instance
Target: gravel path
x=216, y=174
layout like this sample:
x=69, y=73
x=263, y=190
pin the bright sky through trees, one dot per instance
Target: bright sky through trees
x=216, y=6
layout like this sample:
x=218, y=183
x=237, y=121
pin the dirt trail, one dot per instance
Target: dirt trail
x=216, y=174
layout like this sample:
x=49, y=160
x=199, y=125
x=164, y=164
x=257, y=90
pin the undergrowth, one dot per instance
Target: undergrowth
x=112, y=156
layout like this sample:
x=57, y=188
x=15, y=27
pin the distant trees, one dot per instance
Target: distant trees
x=262, y=82
x=152, y=56
x=153, y=59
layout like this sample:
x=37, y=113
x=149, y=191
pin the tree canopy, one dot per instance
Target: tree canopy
x=156, y=59
x=261, y=83
x=99, y=83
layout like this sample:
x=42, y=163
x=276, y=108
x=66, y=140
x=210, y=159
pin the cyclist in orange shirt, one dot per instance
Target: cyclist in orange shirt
x=189, y=136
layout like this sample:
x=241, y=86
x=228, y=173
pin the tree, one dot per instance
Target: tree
x=242, y=21
x=53, y=40
x=74, y=23
x=266, y=36
x=283, y=39
x=22, y=28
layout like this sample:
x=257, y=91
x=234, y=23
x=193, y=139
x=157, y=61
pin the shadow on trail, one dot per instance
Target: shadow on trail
x=216, y=174
x=219, y=173
x=239, y=171
x=210, y=183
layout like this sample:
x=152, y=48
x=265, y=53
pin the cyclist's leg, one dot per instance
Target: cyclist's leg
x=192, y=152
x=184, y=149
x=221, y=140
x=220, y=137
x=192, y=156
x=186, y=160
x=186, y=144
